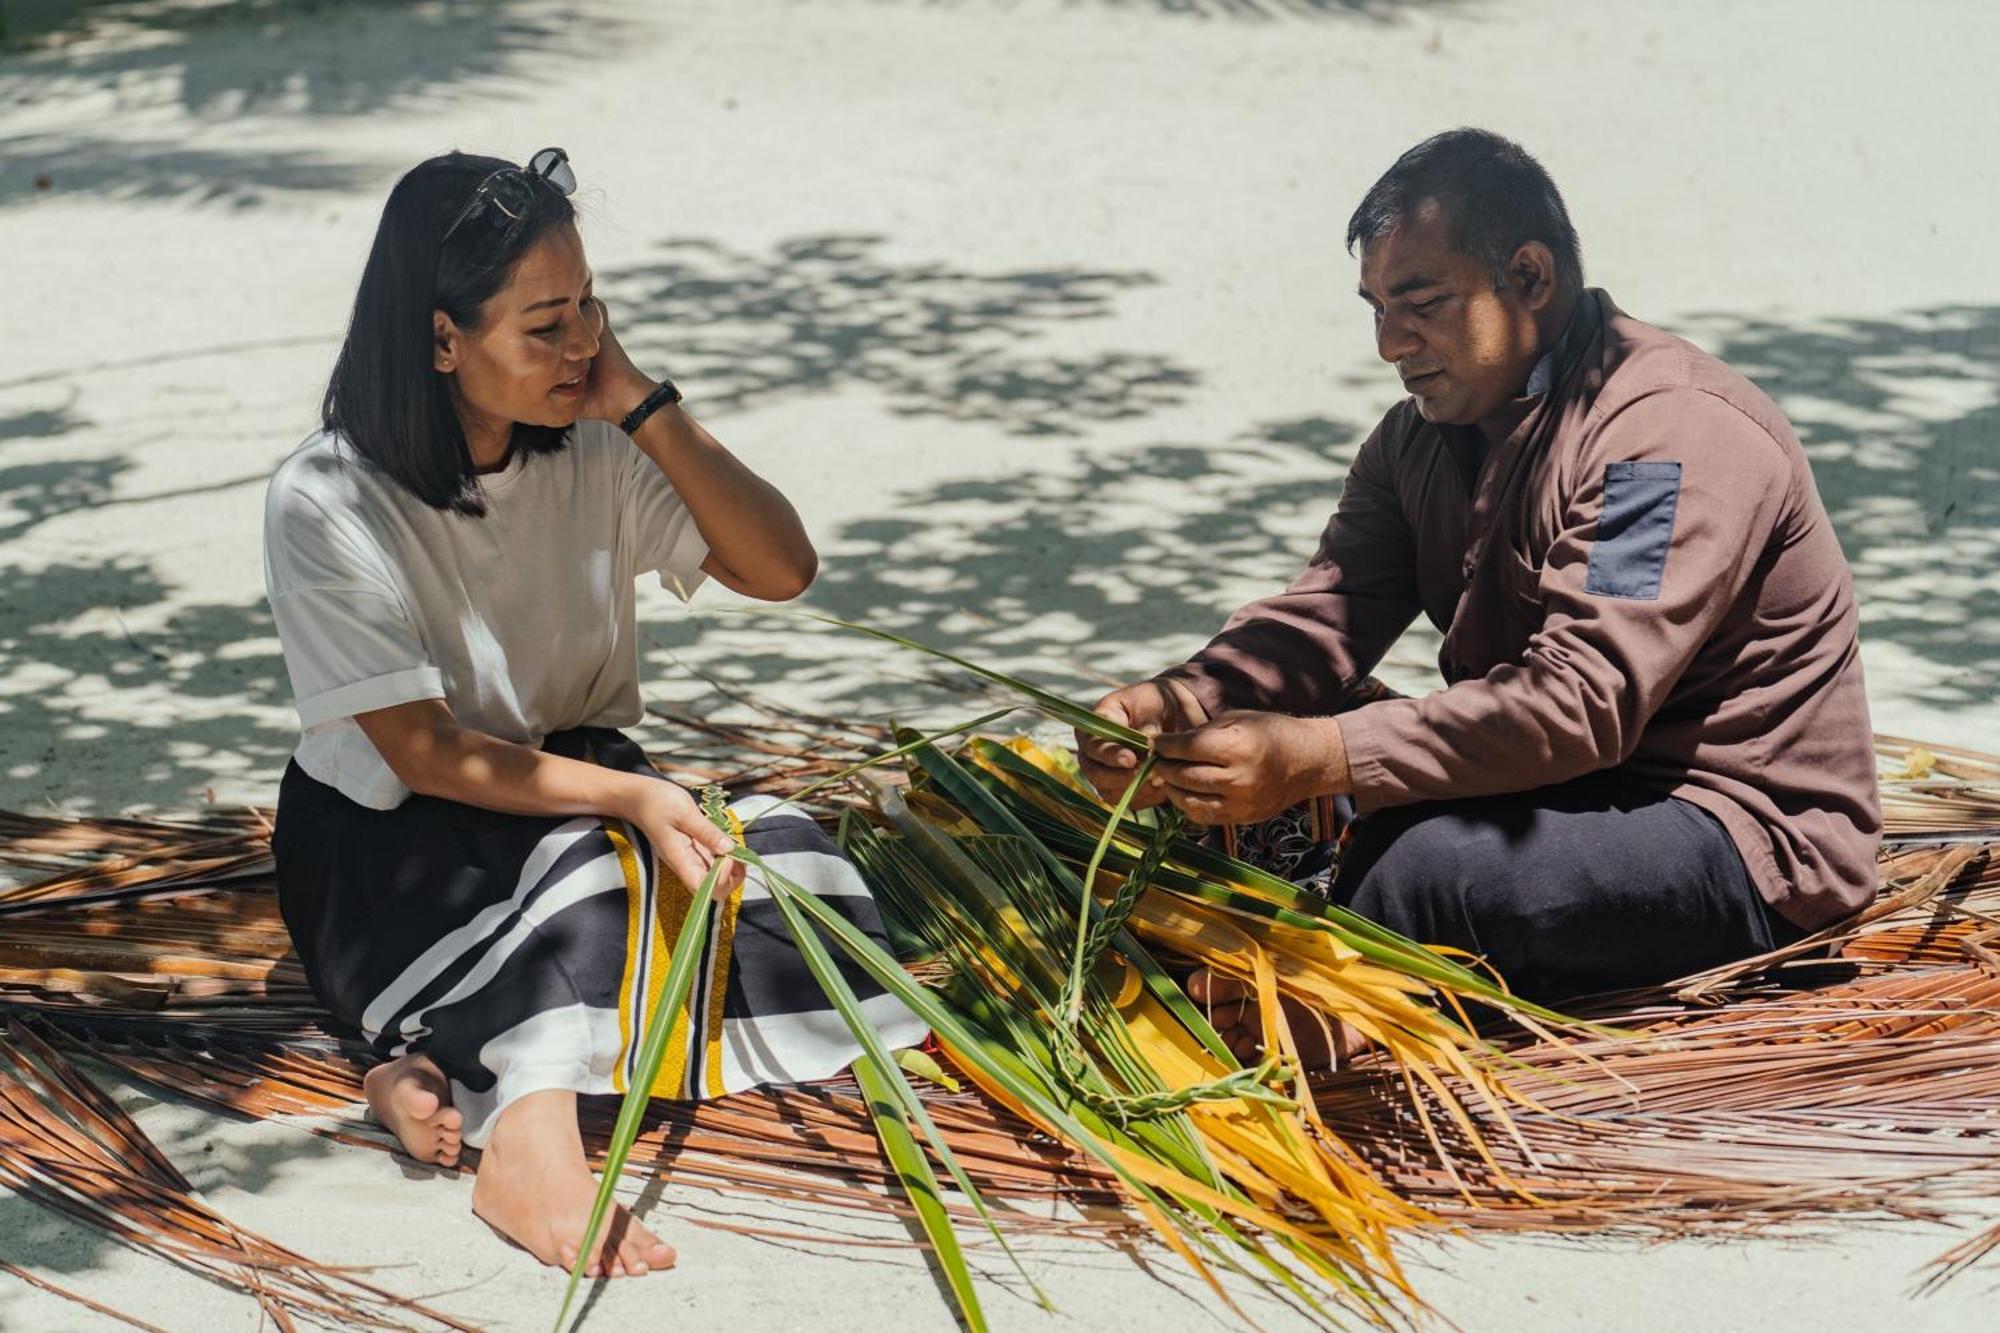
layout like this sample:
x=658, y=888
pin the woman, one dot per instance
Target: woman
x=478, y=871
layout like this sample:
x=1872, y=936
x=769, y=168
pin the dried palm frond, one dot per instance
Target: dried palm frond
x=779, y=754
x=1845, y=1077
x=1937, y=791
x=68, y=1146
x=1880, y=1095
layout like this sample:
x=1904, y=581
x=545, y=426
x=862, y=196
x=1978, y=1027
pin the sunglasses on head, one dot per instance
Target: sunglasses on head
x=506, y=198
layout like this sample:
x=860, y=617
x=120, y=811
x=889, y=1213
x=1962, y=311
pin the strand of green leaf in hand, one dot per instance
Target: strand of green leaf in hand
x=1072, y=1061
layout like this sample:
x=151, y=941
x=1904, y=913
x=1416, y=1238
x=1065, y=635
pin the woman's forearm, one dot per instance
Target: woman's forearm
x=476, y=769
x=751, y=528
x=435, y=756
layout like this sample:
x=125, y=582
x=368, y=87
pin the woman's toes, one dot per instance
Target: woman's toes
x=633, y=1254
x=650, y=1249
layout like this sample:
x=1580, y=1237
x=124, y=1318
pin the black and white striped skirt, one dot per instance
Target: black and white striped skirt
x=524, y=953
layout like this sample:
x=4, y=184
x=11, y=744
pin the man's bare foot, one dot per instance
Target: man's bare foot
x=535, y=1189
x=412, y=1099
x=1231, y=1006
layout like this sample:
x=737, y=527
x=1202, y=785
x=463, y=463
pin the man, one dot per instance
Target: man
x=1652, y=754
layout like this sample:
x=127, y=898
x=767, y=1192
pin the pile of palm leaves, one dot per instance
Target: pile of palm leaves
x=1852, y=1073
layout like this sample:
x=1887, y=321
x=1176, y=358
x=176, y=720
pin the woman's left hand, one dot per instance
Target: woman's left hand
x=615, y=385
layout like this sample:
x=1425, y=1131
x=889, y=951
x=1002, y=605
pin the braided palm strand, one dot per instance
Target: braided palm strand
x=1074, y=1064
x=1120, y=907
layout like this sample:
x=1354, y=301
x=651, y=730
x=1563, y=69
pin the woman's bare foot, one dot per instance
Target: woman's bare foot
x=1231, y=1006
x=535, y=1189
x=411, y=1097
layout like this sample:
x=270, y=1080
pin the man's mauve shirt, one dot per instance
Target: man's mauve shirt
x=1641, y=575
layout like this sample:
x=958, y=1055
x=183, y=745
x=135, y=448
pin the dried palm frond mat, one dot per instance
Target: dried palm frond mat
x=1856, y=1073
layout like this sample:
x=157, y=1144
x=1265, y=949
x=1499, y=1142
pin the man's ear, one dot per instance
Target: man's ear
x=446, y=343
x=1532, y=271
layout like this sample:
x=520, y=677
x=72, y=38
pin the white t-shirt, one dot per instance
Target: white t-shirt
x=520, y=621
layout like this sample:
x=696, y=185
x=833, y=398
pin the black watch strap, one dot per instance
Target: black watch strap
x=657, y=399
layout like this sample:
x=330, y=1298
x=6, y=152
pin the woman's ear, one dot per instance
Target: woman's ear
x=445, y=343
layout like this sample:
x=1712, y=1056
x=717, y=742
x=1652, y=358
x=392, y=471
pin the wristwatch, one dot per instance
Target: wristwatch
x=657, y=399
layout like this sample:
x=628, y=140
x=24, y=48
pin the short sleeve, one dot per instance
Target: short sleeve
x=658, y=529
x=350, y=645
x=349, y=652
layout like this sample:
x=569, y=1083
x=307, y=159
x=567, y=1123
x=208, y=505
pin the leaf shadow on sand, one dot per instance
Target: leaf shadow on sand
x=1059, y=571
x=240, y=70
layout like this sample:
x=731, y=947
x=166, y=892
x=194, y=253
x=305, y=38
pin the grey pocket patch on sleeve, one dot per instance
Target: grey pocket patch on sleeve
x=1630, y=553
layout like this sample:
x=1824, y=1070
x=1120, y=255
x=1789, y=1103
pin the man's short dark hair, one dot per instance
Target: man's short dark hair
x=1495, y=196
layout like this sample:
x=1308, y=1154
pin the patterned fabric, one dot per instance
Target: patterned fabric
x=524, y=954
x=1298, y=844
x=755, y=1014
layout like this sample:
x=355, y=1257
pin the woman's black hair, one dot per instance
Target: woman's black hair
x=386, y=397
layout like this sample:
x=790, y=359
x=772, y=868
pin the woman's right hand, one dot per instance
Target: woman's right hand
x=682, y=836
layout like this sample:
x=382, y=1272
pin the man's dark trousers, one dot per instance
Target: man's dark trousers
x=1598, y=884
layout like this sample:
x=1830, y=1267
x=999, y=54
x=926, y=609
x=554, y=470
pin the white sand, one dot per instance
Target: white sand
x=1040, y=312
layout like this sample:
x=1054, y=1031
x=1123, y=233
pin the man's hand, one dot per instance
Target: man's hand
x=1151, y=706
x=1245, y=767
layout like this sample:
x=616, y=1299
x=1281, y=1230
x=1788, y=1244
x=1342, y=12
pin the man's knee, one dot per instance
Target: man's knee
x=1415, y=873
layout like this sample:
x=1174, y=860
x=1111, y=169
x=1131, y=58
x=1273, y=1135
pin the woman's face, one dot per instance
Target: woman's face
x=529, y=358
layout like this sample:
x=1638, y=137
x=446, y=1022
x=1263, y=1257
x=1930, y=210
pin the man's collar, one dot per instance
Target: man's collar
x=1542, y=377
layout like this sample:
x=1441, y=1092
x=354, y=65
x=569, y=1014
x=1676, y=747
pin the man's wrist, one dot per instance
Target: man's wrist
x=1336, y=777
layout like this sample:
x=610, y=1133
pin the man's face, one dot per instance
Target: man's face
x=1462, y=347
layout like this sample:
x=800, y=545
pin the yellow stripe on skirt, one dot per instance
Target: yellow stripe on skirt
x=659, y=929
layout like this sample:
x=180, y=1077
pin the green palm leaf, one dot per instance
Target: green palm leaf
x=788, y=897
x=659, y=1025
x=1004, y=1069
x=1063, y=710
x=920, y=1183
